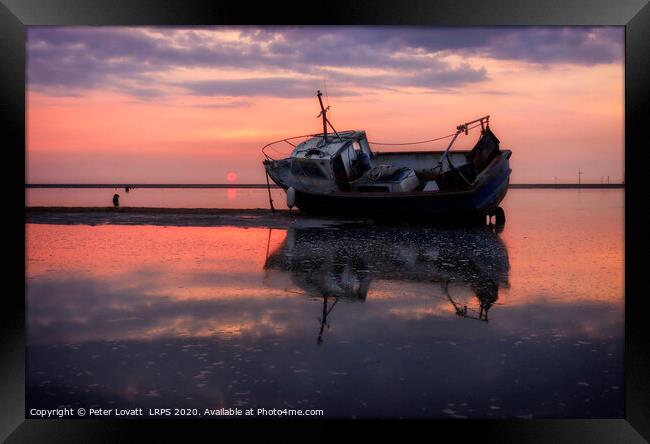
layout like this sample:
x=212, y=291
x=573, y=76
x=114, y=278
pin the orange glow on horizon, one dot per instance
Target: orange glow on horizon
x=555, y=120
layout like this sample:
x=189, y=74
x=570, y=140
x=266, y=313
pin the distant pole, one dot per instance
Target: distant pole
x=607, y=180
x=580, y=173
x=555, y=180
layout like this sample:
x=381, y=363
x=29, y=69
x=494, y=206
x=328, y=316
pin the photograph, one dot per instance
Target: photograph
x=332, y=222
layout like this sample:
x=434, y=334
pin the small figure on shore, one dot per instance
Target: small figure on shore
x=127, y=189
x=116, y=200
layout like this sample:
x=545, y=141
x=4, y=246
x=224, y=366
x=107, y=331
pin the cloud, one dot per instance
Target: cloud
x=225, y=104
x=577, y=45
x=583, y=46
x=285, y=87
x=140, y=61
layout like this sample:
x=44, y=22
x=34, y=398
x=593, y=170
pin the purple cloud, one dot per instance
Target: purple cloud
x=68, y=61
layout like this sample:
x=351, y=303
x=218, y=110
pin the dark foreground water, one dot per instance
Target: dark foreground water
x=357, y=321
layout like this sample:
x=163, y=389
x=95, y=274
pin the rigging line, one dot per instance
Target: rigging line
x=412, y=143
x=268, y=245
x=423, y=141
x=270, y=144
x=268, y=187
x=312, y=295
x=455, y=303
x=443, y=298
x=336, y=299
x=278, y=151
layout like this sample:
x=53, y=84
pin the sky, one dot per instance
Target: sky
x=196, y=104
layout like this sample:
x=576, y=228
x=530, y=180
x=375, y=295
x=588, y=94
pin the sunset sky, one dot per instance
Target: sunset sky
x=195, y=105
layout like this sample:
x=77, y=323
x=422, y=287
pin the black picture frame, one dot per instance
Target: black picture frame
x=15, y=15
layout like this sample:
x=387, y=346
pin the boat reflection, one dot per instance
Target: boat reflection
x=339, y=264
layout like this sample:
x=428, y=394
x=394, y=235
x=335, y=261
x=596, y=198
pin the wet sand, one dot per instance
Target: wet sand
x=181, y=217
x=203, y=217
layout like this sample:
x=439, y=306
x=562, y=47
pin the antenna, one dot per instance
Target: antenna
x=323, y=113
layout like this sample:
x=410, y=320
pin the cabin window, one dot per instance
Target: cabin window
x=309, y=169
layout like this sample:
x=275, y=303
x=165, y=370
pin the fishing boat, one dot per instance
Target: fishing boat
x=339, y=173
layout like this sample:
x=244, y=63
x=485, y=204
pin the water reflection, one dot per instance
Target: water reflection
x=341, y=263
x=358, y=321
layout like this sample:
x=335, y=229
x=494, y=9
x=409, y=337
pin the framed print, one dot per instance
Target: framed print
x=381, y=217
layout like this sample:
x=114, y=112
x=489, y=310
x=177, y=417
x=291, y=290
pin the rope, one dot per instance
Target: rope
x=279, y=151
x=413, y=143
x=268, y=187
x=422, y=141
x=270, y=145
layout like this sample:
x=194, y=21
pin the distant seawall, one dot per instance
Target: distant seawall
x=567, y=185
x=264, y=186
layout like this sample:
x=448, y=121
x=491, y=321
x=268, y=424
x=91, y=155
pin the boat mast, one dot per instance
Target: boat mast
x=323, y=113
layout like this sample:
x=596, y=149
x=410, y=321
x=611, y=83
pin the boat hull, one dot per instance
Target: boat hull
x=478, y=201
